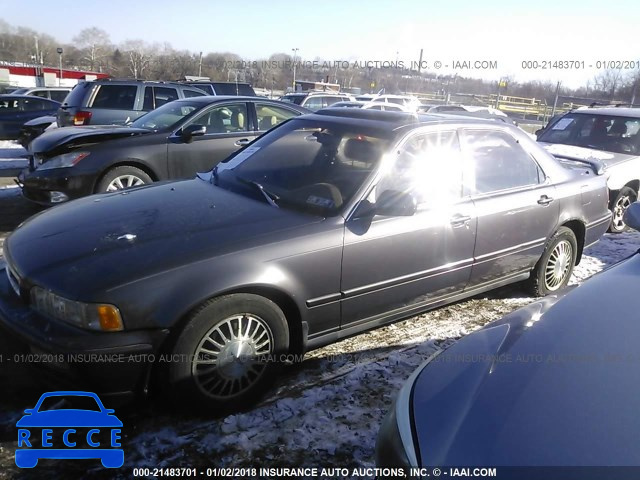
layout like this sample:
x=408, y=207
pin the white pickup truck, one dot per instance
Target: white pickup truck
x=609, y=137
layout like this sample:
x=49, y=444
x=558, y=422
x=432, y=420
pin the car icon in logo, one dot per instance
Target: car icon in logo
x=58, y=431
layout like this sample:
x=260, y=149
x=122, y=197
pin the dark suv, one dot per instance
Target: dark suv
x=105, y=102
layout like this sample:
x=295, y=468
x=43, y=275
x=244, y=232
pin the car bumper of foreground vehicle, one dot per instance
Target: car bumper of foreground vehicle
x=50, y=187
x=114, y=364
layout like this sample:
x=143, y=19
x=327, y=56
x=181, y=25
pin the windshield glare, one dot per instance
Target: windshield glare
x=601, y=132
x=167, y=116
x=310, y=166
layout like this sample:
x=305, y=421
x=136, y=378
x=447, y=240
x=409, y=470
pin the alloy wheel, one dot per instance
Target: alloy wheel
x=618, y=212
x=558, y=265
x=124, y=181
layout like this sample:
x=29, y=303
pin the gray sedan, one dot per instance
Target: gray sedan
x=324, y=227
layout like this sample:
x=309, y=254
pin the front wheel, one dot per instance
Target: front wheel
x=229, y=352
x=120, y=178
x=625, y=197
x=553, y=270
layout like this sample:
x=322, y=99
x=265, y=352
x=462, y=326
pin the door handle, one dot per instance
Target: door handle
x=459, y=220
x=242, y=142
x=545, y=200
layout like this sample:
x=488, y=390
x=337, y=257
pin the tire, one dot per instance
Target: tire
x=208, y=372
x=625, y=197
x=554, y=269
x=119, y=178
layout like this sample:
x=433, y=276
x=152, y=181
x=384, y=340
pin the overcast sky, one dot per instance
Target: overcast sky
x=507, y=32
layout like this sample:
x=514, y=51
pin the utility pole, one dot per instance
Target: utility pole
x=295, y=51
x=200, y=66
x=555, y=100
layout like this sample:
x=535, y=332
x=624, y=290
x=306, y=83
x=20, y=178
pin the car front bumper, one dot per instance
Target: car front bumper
x=37, y=185
x=112, y=364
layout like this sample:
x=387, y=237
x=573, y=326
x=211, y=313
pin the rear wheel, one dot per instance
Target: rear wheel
x=625, y=197
x=553, y=270
x=120, y=178
x=229, y=352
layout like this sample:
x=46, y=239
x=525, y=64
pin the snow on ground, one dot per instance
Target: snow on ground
x=324, y=412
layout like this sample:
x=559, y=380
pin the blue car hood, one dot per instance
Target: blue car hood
x=550, y=385
x=69, y=418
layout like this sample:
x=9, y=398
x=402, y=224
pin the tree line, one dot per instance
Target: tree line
x=92, y=49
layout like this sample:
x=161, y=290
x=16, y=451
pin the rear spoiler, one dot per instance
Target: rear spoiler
x=596, y=165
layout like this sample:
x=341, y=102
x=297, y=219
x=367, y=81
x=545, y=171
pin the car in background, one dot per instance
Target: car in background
x=15, y=110
x=57, y=94
x=222, y=88
x=545, y=386
x=316, y=100
x=431, y=108
x=385, y=107
x=174, y=141
x=410, y=102
x=610, y=135
x=326, y=226
x=109, y=102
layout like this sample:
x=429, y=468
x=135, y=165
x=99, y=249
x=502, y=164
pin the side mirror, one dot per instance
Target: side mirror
x=632, y=216
x=193, y=131
x=28, y=411
x=393, y=203
x=538, y=132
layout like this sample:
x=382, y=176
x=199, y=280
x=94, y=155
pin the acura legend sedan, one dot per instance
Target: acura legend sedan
x=326, y=226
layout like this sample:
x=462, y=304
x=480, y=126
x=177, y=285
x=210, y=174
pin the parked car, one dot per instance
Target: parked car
x=546, y=386
x=15, y=110
x=174, y=141
x=408, y=101
x=316, y=100
x=223, y=88
x=609, y=135
x=34, y=128
x=385, y=107
x=108, y=102
x=326, y=226
x=57, y=94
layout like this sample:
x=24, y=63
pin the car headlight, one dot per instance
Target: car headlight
x=92, y=316
x=64, y=160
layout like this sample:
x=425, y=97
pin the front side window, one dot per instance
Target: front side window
x=306, y=165
x=428, y=166
x=314, y=103
x=168, y=116
x=228, y=118
x=270, y=115
x=9, y=105
x=118, y=97
x=497, y=162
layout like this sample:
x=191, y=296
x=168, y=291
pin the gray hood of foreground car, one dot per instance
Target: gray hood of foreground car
x=572, y=152
x=103, y=241
x=549, y=385
x=59, y=140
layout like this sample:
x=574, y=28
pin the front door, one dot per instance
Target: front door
x=227, y=129
x=393, y=263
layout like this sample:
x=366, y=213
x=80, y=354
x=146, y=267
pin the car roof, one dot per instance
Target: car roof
x=393, y=121
x=223, y=98
x=610, y=111
x=29, y=97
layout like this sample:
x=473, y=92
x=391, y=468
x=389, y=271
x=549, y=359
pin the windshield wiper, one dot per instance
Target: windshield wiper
x=271, y=197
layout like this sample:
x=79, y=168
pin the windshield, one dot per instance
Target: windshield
x=308, y=165
x=168, y=115
x=601, y=132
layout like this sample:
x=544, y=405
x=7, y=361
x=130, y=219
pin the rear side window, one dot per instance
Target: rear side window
x=58, y=96
x=498, y=162
x=155, y=97
x=117, y=97
x=193, y=93
x=31, y=104
x=40, y=93
x=270, y=115
x=233, y=89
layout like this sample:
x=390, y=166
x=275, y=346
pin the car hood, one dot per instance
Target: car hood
x=572, y=152
x=106, y=240
x=69, y=418
x=63, y=139
x=553, y=384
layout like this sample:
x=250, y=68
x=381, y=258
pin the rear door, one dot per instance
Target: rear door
x=515, y=203
x=228, y=127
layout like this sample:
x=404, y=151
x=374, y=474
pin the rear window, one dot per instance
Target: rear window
x=77, y=94
x=118, y=97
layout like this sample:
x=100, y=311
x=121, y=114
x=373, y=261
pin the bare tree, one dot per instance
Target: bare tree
x=95, y=44
x=608, y=81
x=139, y=56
